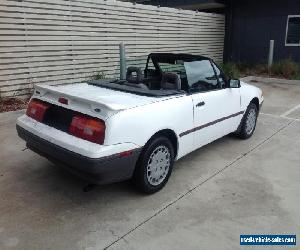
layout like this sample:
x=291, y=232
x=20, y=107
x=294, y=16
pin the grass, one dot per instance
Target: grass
x=231, y=70
x=286, y=68
x=99, y=75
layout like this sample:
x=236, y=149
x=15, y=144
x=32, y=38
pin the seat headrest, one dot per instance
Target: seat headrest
x=130, y=77
x=171, y=81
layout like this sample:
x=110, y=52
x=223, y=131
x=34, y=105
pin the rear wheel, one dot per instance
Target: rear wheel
x=248, y=123
x=155, y=165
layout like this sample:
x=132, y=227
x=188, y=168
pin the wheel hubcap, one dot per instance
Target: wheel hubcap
x=251, y=121
x=158, y=165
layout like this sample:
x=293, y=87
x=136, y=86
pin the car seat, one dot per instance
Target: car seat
x=170, y=81
x=134, y=77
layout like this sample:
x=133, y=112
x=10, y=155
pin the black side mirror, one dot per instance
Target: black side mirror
x=234, y=83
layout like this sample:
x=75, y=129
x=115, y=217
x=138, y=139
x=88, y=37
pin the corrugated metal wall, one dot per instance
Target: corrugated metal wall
x=66, y=41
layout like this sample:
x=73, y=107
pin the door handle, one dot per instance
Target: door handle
x=200, y=104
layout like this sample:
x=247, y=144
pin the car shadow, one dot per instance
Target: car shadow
x=74, y=184
x=49, y=180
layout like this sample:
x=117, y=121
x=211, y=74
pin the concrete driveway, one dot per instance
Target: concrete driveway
x=225, y=189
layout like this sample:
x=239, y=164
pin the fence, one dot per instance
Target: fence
x=67, y=41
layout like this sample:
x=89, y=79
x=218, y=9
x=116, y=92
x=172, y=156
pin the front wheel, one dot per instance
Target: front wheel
x=248, y=123
x=155, y=165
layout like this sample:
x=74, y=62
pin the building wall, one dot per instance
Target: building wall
x=59, y=41
x=252, y=24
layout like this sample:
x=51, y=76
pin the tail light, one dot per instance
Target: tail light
x=88, y=128
x=36, y=109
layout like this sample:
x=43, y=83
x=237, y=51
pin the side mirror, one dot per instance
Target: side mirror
x=234, y=83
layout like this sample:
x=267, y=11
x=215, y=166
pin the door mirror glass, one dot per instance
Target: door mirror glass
x=234, y=83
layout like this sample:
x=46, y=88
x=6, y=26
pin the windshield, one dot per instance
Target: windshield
x=201, y=75
x=195, y=75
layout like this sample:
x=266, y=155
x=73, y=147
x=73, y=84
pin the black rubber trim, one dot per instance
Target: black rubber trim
x=260, y=105
x=100, y=170
x=210, y=124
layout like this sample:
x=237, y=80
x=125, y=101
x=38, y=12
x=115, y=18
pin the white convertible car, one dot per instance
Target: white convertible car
x=112, y=130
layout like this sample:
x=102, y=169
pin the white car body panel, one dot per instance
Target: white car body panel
x=138, y=125
x=86, y=98
x=218, y=105
x=131, y=120
x=72, y=143
x=248, y=92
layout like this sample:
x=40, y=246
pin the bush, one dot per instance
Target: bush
x=98, y=76
x=286, y=68
x=297, y=76
x=231, y=70
x=261, y=69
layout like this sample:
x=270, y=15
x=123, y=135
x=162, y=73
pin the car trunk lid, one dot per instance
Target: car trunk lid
x=88, y=99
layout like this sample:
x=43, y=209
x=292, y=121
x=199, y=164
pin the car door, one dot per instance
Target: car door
x=216, y=106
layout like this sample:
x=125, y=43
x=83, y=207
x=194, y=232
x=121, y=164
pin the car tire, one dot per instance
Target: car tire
x=248, y=123
x=155, y=165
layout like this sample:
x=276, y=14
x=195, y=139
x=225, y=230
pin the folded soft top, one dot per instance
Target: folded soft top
x=121, y=85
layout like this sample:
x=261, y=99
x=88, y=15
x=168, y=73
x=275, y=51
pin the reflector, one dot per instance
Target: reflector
x=63, y=100
x=126, y=153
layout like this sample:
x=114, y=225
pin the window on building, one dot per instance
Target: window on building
x=293, y=31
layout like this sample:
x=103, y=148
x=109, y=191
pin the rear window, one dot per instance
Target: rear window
x=168, y=67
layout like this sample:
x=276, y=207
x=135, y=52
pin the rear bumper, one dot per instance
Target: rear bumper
x=102, y=170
